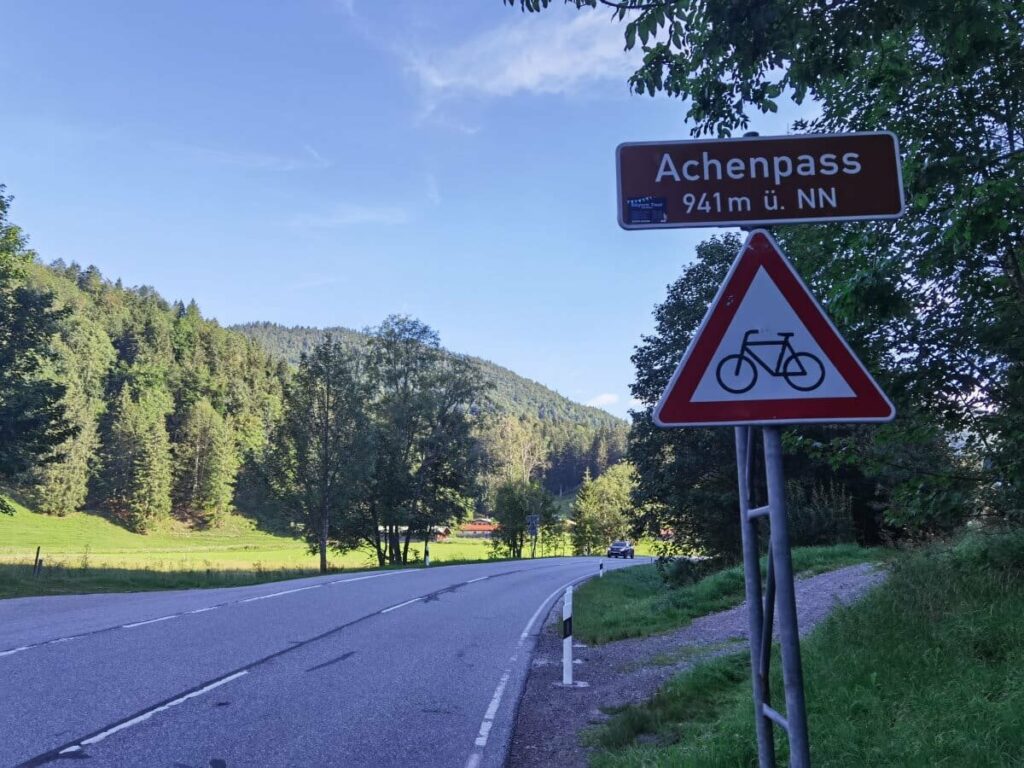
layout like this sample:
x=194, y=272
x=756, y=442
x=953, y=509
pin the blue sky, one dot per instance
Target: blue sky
x=328, y=162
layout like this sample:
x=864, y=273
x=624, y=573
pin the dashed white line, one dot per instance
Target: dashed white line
x=146, y=715
x=278, y=594
x=148, y=621
x=373, y=576
x=492, y=709
x=12, y=651
x=474, y=581
x=401, y=605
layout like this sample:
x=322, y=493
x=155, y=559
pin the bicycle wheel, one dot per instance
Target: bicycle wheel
x=803, y=371
x=736, y=374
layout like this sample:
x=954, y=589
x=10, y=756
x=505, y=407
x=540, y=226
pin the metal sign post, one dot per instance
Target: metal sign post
x=766, y=353
x=779, y=594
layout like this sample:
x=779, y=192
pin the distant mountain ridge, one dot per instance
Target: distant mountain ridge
x=512, y=393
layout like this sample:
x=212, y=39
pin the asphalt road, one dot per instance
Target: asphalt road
x=402, y=668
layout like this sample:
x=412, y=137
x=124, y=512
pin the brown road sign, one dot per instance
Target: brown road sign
x=759, y=180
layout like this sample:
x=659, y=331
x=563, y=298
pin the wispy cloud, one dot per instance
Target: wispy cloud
x=532, y=53
x=603, y=400
x=349, y=214
x=306, y=159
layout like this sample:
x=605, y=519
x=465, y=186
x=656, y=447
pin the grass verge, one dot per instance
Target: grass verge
x=635, y=602
x=927, y=670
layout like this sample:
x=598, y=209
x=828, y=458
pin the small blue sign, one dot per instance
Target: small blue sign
x=647, y=210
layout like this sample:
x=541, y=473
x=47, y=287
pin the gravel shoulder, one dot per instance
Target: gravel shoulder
x=550, y=718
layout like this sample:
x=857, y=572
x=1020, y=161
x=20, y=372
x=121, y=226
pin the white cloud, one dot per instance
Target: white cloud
x=536, y=53
x=603, y=400
x=348, y=214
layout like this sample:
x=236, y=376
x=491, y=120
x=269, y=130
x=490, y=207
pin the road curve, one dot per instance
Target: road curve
x=367, y=669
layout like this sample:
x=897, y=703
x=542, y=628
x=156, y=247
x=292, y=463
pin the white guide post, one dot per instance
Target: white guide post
x=567, y=638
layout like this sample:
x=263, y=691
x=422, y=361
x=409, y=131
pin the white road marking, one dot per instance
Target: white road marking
x=12, y=651
x=474, y=581
x=492, y=709
x=401, y=605
x=149, y=621
x=278, y=594
x=146, y=715
x=364, y=578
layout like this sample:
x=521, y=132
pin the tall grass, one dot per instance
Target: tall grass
x=928, y=670
x=636, y=602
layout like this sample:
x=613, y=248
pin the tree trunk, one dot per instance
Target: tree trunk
x=381, y=560
x=405, y=545
x=393, y=544
x=324, y=522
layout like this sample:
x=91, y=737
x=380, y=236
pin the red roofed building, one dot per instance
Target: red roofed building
x=478, y=529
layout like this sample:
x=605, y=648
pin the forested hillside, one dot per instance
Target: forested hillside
x=559, y=439
x=510, y=392
x=168, y=407
x=144, y=409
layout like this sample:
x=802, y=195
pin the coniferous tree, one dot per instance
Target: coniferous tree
x=205, y=463
x=138, y=460
x=33, y=422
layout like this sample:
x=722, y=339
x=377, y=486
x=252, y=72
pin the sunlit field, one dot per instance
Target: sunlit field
x=85, y=552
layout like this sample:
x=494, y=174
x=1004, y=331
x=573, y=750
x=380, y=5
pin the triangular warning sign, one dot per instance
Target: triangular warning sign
x=766, y=353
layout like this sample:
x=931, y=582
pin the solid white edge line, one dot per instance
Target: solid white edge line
x=148, y=621
x=146, y=715
x=474, y=581
x=16, y=650
x=401, y=605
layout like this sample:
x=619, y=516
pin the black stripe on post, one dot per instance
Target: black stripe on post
x=567, y=627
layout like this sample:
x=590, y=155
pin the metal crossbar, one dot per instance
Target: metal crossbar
x=774, y=716
x=779, y=594
x=758, y=512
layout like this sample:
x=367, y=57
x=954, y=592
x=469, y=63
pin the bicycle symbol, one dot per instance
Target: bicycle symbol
x=801, y=370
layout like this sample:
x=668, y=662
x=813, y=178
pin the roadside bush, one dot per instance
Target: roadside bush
x=683, y=571
x=821, y=514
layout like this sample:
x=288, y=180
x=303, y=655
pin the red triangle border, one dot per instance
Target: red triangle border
x=869, y=403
